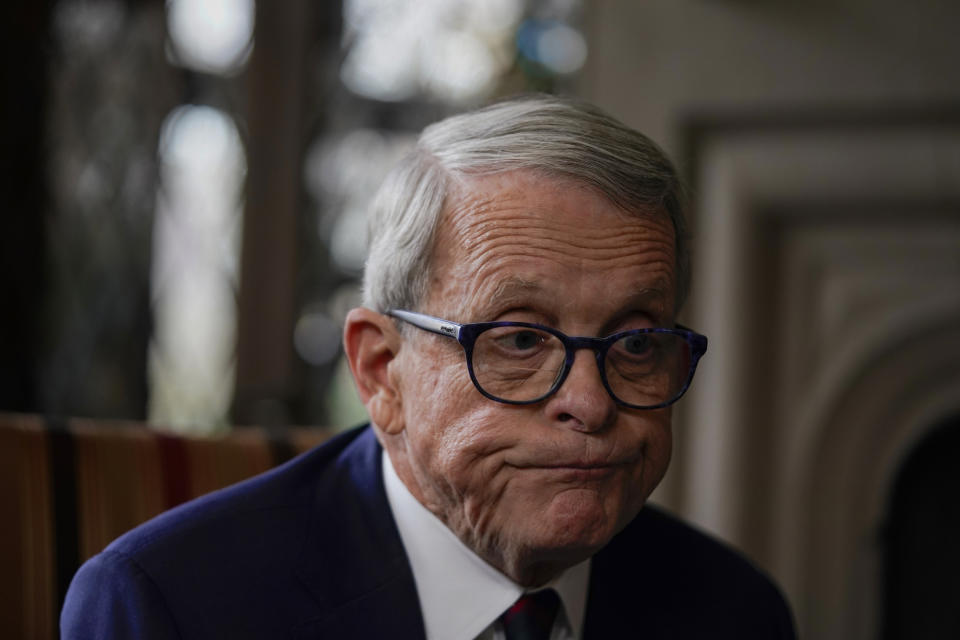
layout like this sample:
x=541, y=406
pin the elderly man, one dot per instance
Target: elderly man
x=518, y=356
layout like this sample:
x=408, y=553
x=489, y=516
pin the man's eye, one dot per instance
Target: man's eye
x=636, y=344
x=523, y=340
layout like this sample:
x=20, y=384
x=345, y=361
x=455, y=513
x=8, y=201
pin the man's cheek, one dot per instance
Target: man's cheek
x=657, y=460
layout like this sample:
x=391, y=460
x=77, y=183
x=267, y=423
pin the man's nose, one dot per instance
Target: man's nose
x=582, y=401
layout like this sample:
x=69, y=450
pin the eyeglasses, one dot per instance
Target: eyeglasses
x=523, y=362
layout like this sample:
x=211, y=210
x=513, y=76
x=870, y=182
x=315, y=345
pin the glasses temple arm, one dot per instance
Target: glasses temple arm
x=428, y=323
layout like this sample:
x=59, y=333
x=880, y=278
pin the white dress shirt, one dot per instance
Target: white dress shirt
x=461, y=596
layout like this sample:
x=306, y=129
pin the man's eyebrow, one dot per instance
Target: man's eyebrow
x=509, y=292
x=649, y=301
x=649, y=295
x=513, y=287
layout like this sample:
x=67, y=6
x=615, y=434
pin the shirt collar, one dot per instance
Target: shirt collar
x=460, y=594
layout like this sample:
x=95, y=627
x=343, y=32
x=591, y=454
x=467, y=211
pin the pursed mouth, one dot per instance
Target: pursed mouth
x=599, y=463
x=577, y=473
x=586, y=466
x=578, y=466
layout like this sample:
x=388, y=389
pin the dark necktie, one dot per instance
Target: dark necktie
x=531, y=617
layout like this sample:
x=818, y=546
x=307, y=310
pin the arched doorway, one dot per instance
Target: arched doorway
x=921, y=551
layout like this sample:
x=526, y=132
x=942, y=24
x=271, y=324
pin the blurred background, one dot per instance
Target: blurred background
x=184, y=225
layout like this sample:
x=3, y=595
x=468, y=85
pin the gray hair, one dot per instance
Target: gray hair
x=553, y=136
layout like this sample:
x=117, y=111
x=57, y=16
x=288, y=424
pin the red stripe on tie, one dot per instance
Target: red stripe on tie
x=532, y=616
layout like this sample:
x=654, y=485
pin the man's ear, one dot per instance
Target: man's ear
x=371, y=342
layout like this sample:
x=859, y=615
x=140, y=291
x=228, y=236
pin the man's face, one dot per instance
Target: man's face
x=534, y=488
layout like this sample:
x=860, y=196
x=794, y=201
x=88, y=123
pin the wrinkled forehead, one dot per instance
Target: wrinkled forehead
x=474, y=201
x=521, y=231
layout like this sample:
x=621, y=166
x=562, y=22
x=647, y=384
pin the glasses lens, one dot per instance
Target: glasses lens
x=647, y=369
x=517, y=363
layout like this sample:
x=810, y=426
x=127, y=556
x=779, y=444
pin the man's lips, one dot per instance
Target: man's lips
x=578, y=472
x=586, y=469
x=579, y=465
x=576, y=463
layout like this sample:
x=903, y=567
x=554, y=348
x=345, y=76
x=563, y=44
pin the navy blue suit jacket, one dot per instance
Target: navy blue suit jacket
x=310, y=550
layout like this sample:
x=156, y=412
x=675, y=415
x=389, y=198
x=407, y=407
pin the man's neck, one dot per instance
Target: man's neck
x=458, y=589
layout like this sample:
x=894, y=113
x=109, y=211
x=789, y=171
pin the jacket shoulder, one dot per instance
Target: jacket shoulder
x=277, y=496
x=229, y=560
x=110, y=597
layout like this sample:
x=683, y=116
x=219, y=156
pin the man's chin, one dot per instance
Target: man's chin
x=576, y=525
x=545, y=558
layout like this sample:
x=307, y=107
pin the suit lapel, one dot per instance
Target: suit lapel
x=624, y=589
x=355, y=565
x=605, y=605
